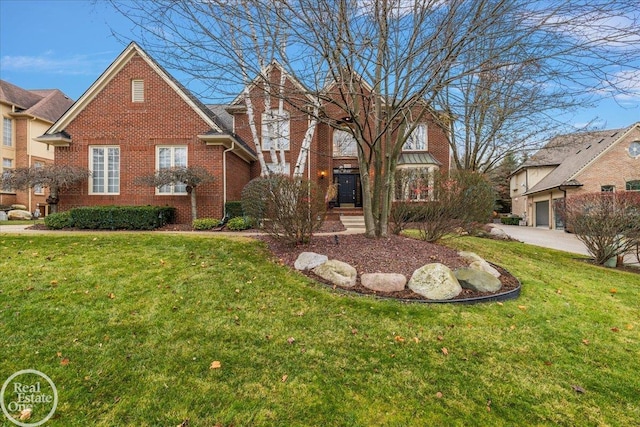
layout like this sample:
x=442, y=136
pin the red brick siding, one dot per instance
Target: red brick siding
x=164, y=118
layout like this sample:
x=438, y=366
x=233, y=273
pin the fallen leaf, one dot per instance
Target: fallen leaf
x=111, y=295
x=25, y=414
x=440, y=338
x=499, y=303
x=162, y=262
x=284, y=378
x=578, y=389
x=185, y=423
x=398, y=338
x=215, y=365
x=585, y=342
x=522, y=307
x=559, y=291
x=614, y=329
x=291, y=340
x=354, y=331
x=59, y=354
x=54, y=282
x=547, y=363
x=64, y=362
x=512, y=327
x=416, y=340
x=445, y=351
x=439, y=395
x=613, y=290
x=629, y=327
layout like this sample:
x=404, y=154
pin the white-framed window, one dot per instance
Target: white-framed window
x=168, y=157
x=137, y=90
x=414, y=184
x=7, y=163
x=7, y=132
x=275, y=130
x=273, y=168
x=344, y=144
x=633, y=185
x=104, y=163
x=417, y=140
x=38, y=188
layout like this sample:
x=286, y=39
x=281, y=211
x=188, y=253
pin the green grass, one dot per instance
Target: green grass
x=21, y=222
x=140, y=318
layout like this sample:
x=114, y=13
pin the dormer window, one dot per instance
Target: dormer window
x=137, y=90
x=417, y=140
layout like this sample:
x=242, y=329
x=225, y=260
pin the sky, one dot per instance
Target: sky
x=67, y=44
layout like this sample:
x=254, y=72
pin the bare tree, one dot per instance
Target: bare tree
x=54, y=177
x=191, y=177
x=391, y=63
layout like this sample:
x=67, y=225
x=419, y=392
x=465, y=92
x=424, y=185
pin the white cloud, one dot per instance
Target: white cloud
x=50, y=63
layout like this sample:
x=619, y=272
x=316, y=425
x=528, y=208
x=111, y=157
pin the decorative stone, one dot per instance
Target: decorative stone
x=309, y=261
x=477, y=280
x=479, y=263
x=435, y=281
x=337, y=272
x=18, y=207
x=384, y=282
x=499, y=233
x=3, y=216
x=18, y=214
x=485, y=266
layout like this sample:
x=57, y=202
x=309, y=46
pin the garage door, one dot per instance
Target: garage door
x=542, y=214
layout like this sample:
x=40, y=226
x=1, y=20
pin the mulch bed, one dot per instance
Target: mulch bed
x=394, y=254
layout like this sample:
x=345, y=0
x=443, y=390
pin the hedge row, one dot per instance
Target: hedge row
x=121, y=217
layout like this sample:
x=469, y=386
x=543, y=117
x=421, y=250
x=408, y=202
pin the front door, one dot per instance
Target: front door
x=348, y=190
x=542, y=214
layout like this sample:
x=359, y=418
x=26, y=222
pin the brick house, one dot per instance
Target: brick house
x=27, y=114
x=136, y=118
x=571, y=165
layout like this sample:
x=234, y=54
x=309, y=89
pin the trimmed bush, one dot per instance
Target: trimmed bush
x=205, y=223
x=122, y=217
x=233, y=209
x=239, y=223
x=511, y=220
x=58, y=221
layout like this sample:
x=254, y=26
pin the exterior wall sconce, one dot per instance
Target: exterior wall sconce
x=322, y=174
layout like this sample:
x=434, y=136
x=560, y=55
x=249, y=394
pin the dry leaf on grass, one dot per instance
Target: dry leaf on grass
x=445, y=351
x=284, y=378
x=25, y=414
x=215, y=365
x=64, y=362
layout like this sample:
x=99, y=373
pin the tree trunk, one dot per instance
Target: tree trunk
x=194, y=209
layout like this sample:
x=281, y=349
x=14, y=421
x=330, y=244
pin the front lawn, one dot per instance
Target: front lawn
x=127, y=326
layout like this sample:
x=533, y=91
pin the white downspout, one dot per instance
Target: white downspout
x=224, y=177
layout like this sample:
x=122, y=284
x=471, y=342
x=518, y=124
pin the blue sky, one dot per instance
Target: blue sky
x=67, y=44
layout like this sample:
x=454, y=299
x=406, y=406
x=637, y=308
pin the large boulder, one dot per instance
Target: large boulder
x=479, y=263
x=18, y=207
x=435, y=281
x=309, y=261
x=337, y=272
x=384, y=282
x=18, y=214
x=477, y=280
x=499, y=233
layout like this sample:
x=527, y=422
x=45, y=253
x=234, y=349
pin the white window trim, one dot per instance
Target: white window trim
x=342, y=153
x=266, y=136
x=173, y=191
x=6, y=120
x=426, y=138
x=106, y=177
x=137, y=90
x=406, y=190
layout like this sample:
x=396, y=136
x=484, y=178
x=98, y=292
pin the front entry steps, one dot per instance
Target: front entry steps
x=353, y=223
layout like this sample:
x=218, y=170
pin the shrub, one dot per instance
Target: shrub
x=290, y=209
x=607, y=223
x=205, y=223
x=122, y=217
x=511, y=220
x=233, y=209
x=58, y=221
x=239, y=223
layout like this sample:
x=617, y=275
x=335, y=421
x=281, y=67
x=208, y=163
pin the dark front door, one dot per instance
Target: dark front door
x=347, y=190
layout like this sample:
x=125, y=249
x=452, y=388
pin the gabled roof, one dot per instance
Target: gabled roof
x=129, y=52
x=46, y=104
x=572, y=154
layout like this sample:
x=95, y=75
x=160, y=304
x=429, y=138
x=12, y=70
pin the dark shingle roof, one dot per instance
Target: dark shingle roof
x=47, y=104
x=421, y=158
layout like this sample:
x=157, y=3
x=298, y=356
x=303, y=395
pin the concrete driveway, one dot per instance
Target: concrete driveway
x=553, y=239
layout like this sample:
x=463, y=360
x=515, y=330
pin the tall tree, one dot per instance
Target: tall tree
x=393, y=62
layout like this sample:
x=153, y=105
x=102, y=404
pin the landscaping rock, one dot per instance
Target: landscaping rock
x=18, y=214
x=384, y=282
x=435, y=281
x=477, y=280
x=18, y=207
x=499, y=233
x=479, y=263
x=337, y=272
x=309, y=261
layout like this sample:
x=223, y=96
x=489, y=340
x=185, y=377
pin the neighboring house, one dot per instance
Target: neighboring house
x=571, y=165
x=26, y=114
x=136, y=118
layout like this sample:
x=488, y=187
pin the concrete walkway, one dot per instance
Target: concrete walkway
x=353, y=223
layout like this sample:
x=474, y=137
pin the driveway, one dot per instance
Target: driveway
x=553, y=239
